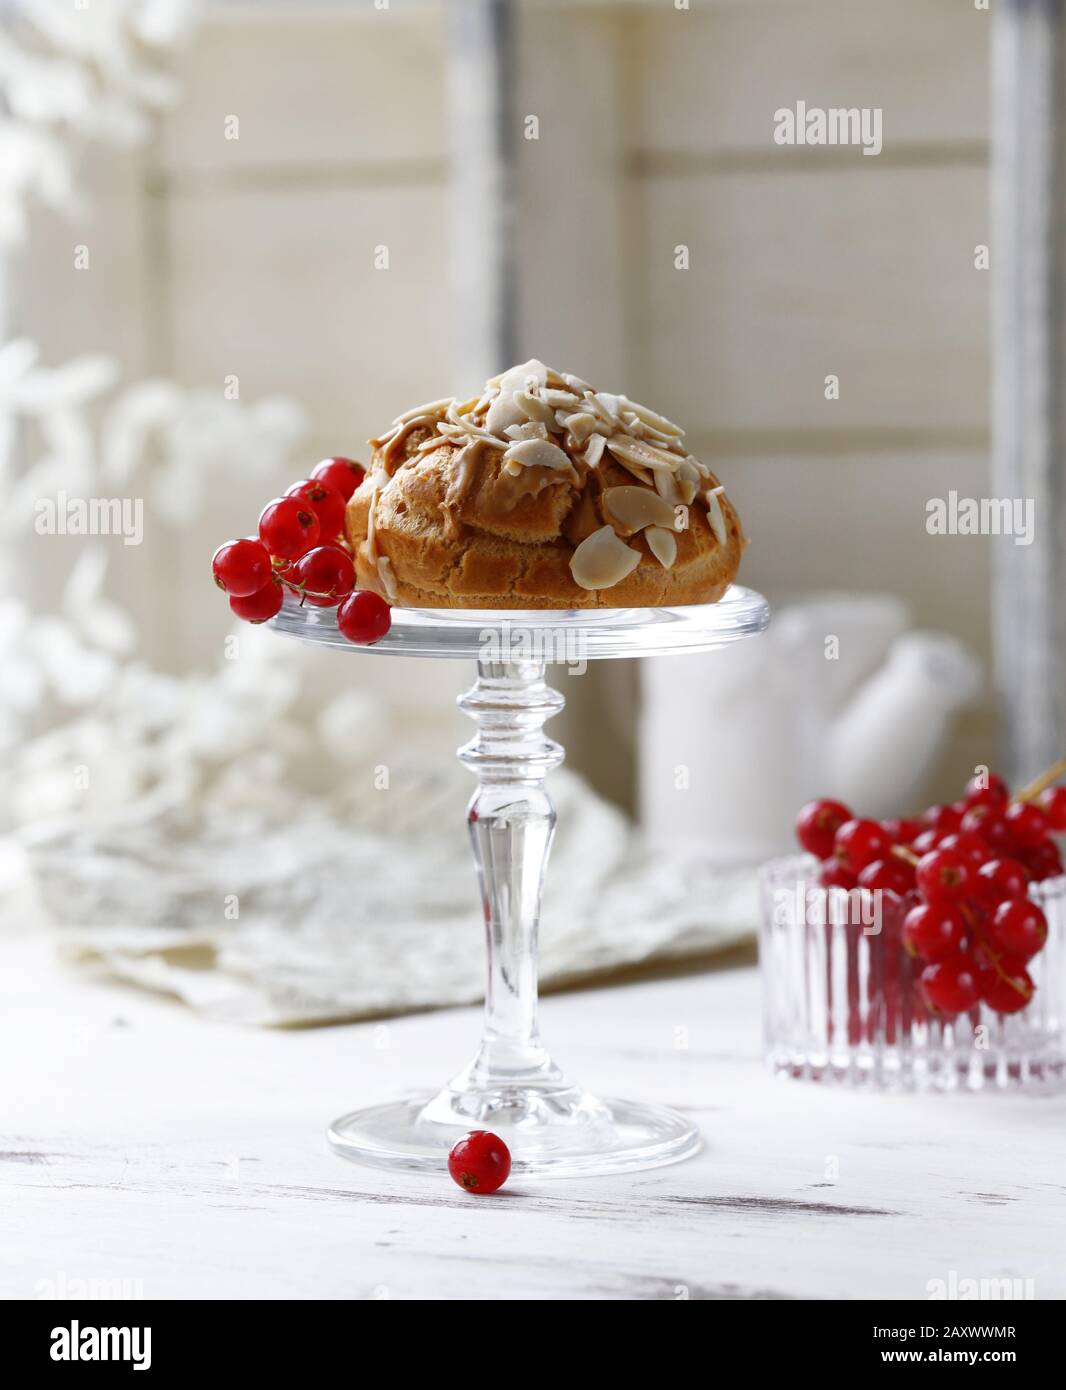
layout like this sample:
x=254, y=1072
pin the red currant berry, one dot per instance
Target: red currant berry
x=326, y=503
x=1053, y=805
x=933, y=932
x=970, y=845
x=1027, y=823
x=834, y=875
x=324, y=576
x=288, y=527
x=945, y=820
x=943, y=875
x=1006, y=986
x=480, y=1162
x=950, y=986
x=923, y=843
x=343, y=474
x=891, y=875
x=1000, y=880
x=1042, y=861
x=258, y=607
x=241, y=567
x=817, y=823
x=1019, y=928
x=364, y=618
x=902, y=830
x=987, y=790
x=859, y=842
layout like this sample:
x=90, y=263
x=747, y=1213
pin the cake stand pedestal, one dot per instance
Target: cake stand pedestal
x=552, y=1126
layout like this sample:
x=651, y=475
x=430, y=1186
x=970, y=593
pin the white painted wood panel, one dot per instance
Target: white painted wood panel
x=281, y=288
x=711, y=77
x=866, y=273
x=357, y=88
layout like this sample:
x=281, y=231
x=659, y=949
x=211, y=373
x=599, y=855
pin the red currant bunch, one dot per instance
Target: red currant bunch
x=301, y=549
x=963, y=871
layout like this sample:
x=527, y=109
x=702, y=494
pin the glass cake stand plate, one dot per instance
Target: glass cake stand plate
x=552, y=1126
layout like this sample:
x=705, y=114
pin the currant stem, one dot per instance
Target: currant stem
x=906, y=853
x=1041, y=783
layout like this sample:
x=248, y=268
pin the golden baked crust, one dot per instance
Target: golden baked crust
x=444, y=522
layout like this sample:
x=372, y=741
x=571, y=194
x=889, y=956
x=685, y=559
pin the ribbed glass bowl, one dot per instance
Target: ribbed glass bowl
x=841, y=1002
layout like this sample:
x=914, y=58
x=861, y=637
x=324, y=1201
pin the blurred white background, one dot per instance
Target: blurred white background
x=210, y=317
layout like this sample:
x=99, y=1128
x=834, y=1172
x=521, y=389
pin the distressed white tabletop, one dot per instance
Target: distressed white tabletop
x=170, y=1157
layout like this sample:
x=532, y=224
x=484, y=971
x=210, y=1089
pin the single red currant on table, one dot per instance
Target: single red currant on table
x=943, y=875
x=817, y=823
x=363, y=617
x=263, y=604
x=241, y=567
x=324, y=576
x=343, y=474
x=288, y=527
x=1019, y=929
x=859, y=842
x=326, y=503
x=951, y=986
x=932, y=932
x=480, y=1162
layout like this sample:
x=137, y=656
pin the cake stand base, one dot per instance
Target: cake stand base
x=562, y=1134
x=513, y=1088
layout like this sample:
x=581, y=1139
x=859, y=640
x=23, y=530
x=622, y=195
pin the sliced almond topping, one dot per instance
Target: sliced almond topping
x=532, y=429
x=667, y=485
x=560, y=400
x=430, y=408
x=643, y=475
x=580, y=424
x=576, y=384
x=504, y=411
x=387, y=577
x=466, y=432
x=534, y=408
x=662, y=544
x=536, y=453
x=633, y=508
x=610, y=405
x=715, y=516
x=638, y=452
x=652, y=418
x=601, y=560
x=594, y=449
x=522, y=377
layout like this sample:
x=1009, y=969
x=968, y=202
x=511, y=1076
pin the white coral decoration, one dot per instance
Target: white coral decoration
x=71, y=72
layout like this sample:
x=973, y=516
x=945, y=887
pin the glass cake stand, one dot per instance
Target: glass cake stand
x=551, y=1125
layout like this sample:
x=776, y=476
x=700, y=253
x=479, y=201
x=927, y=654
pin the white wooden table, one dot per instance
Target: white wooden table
x=169, y=1157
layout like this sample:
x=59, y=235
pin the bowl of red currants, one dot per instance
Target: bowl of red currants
x=924, y=953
